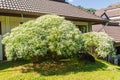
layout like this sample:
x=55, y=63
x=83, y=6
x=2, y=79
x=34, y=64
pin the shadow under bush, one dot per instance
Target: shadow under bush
x=63, y=67
x=12, y=63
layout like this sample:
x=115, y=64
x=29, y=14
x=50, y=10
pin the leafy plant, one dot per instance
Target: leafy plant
x=98, y=44
x=48, y=34
x=91, y=10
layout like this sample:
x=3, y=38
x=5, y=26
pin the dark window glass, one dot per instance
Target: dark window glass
x=21, y=22
x=82, y=28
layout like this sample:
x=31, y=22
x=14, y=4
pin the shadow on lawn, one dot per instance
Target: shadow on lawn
x=49, y=68
x=11, y=64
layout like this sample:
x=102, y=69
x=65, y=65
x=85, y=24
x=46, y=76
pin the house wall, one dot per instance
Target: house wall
x=87, y=24
x=9, y=22
x=80, y=23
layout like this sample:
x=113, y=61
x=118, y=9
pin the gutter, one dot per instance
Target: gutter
x=8, y=12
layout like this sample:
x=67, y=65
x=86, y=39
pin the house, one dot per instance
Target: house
x=15, y=12
x=111, y=13
x=114, y=32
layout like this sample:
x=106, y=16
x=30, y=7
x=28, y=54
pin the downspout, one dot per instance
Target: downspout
x=21, y=19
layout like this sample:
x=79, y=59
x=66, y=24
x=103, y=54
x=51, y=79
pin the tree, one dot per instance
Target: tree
x=49, y=34
x=91, y=10
x=98, y=44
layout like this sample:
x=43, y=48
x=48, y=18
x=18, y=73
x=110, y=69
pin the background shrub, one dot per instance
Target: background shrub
x=98, y=44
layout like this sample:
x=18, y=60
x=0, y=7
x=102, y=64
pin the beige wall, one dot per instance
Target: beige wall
x=10, y=22
x=87, y=24
x=7, y=23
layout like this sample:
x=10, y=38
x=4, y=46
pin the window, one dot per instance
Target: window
x=21, y=22
x=104, y=16
x=82, y=28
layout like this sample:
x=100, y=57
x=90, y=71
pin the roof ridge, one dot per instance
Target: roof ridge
x=39, y=7
x=109, y=8
x=86, y=11
x=58, y=2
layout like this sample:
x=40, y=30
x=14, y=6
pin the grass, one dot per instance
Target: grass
x=63, y=70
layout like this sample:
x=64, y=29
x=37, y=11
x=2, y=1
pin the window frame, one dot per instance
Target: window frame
x=78, y=26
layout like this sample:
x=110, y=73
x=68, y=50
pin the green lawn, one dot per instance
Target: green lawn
x=64, y=70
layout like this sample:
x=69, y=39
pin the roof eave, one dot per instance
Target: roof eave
x=8, y=12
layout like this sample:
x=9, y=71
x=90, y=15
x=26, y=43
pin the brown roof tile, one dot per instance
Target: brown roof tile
x=113, y=31
x=114, y=6
x=113, y=13
x=45, y=7
x=100, y=12
x=110, y=11
x=97, y=28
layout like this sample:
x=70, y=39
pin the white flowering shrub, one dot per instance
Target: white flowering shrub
x=98, y=44
x=46, y=33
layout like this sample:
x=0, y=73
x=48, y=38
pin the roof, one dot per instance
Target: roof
x=100, y=12
x=40, y=7
x=111, y=11
x=113, y=6
x=113, y=23
x=97, y=28
x=113, y=31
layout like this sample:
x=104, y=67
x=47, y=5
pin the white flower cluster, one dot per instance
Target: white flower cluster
x=36, y=37
x=98, y=42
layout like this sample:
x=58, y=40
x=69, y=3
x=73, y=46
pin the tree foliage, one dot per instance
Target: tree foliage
x=91, y=10
x=49, y=33
x=98, y=44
